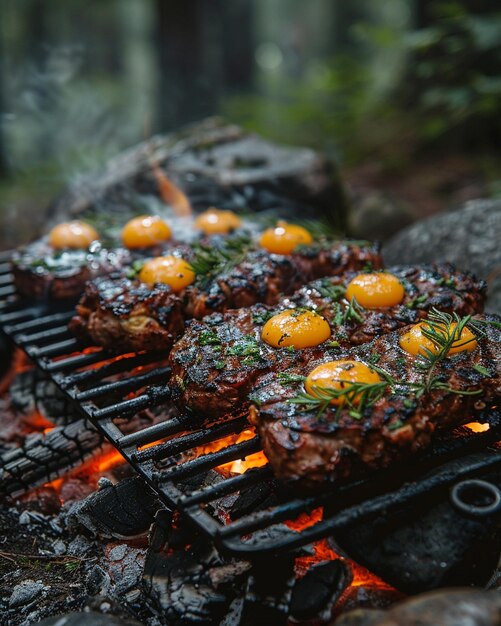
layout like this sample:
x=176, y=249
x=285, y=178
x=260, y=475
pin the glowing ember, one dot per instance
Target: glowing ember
x=239, y=466
x=477, y=427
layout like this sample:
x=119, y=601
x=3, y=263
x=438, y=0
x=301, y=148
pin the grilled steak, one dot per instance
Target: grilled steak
x=217, y=362
x=311, y=448
x=128, y=315
x=43, y=273
x=220, y=359
x=426, y=287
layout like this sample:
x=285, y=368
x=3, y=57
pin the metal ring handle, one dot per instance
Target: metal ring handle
x=480, y=487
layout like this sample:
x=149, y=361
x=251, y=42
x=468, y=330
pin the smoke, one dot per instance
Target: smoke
x=61, y=120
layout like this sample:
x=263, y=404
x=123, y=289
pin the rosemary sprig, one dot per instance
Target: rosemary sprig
x=290, y=379
x=439, y=329
x=328, y=290
x=352, y=395
x=208, y=262
x=353, y=312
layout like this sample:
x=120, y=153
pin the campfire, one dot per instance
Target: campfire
x=117, y=502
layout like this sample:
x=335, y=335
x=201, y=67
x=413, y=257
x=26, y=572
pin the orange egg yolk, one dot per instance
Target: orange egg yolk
x=145, y=231
x=339, y=375
x=376, y=290
x=284, y=238
x=414, y=342
x=171, y=270
x=293, y=327
x=217, y=222
x=75, y=235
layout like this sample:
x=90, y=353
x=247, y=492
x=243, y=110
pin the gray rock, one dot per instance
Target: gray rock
x=25, y=593
x=447, y=607
x=378, y=216
x=469, y=237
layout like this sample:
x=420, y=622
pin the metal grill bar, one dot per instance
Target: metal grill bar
x=76, y=361
x=119, y=364
x=59, y=348
x=43, y=335
x=211, y=460
x=128, y=384
x=151, y=434
x=190, y=441
x=39, y=322
x=154, y=395
x=230, y=485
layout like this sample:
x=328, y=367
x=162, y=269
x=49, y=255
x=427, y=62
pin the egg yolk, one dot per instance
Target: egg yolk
x=414, y=342
x=376, y=290
x=284, y=238
x=293, y=327
x=171, y=270
x=338, y=375
x=145, y=231
x=75, y=235
x=217, y=222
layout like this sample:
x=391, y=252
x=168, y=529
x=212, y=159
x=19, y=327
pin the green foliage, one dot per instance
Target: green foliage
x=455, y=73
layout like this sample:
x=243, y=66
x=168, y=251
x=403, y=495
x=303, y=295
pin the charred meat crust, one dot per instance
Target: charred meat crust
x=40, y=272
x=208, y=380
x=128, y=315
x=312, y=450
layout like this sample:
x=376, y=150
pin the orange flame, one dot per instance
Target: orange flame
x=170, y=193
x=240, y=466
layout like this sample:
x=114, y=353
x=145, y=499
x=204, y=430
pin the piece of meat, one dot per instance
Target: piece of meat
x=41, y=272
x=311, y=449
x=263, y=277
x=209, y=378
x=218, y=361
x=426, y=287
x=126, y=314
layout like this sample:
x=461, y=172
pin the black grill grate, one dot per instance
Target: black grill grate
x=91, y=377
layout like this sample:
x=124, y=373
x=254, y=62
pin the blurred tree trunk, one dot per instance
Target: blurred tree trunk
x=4, y=163
x=202, y=49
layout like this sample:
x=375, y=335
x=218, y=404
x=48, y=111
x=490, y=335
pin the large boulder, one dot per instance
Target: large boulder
x=469, y=237
x=215, y=164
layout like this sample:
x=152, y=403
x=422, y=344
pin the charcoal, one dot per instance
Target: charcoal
x=181, y=587
x=319, y=588
x=45, y=457
x=32, y=390
x=255, y=498
x=269, y=591
x=89, y=618
x=26, y=593
x=126, y=509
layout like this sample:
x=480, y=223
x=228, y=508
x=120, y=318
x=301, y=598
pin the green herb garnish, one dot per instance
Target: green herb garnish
x=208, y=263
x=248, y=347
